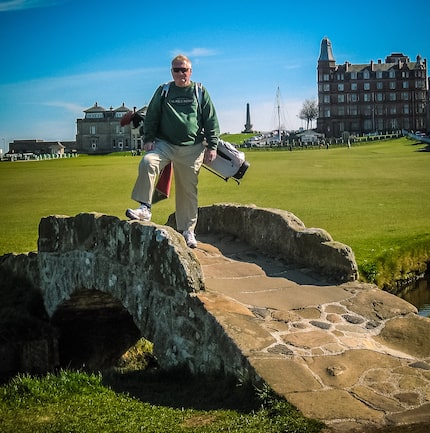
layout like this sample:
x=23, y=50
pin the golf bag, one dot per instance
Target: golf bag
x=229, y=163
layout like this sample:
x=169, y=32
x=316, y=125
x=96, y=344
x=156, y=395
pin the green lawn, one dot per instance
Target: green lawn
x=375, y=197
x=75, y=402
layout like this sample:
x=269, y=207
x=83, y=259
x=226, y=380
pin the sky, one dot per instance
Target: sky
x=60, y=57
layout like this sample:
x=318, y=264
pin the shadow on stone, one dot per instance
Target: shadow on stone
x=238, y=250
x=94, y=331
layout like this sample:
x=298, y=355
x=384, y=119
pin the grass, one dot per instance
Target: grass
x=80, y=402
x=374, y=197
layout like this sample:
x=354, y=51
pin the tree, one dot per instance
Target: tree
x=309, y=111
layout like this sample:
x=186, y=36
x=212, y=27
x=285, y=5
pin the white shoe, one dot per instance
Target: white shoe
x=190, y=238
x=142, y=213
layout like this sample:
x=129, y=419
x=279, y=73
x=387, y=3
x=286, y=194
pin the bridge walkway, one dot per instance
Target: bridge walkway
x=350, y=355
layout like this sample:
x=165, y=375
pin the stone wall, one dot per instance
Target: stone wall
x=283, y=235
x=148, y=268
x=155, y=277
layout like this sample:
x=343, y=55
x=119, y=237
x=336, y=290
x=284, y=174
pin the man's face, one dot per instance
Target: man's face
x=181, y=73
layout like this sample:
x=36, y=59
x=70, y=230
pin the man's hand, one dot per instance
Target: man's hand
x=210, y=155
x=148, y=146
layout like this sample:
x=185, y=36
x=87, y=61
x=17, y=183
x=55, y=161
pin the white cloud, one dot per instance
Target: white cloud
x=66, y=106
x=202, y=52
x=195, y=52
x=12, y=5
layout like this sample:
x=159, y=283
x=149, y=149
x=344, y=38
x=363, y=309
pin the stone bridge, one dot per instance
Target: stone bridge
x=262, y=297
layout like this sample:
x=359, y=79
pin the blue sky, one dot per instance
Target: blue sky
x=59, y=57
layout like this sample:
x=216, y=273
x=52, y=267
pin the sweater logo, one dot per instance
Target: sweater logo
x=182, y=100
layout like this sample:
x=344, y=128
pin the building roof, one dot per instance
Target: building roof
x=96, y=108
x=402, y=62
x=123, y=108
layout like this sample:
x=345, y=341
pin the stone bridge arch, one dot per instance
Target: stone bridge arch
x=262, y=316
x=92, y=263
x=145, y=268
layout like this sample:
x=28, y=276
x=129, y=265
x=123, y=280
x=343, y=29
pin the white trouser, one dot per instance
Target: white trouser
x=187, y=161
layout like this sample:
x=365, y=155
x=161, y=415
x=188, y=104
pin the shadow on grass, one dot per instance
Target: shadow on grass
x=426, y=148
x=180, y=389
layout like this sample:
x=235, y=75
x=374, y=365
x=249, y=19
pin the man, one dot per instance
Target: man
x=176, y=124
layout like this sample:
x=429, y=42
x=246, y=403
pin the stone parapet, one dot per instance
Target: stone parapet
x=283, y=235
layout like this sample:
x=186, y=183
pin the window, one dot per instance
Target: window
x=340, y=77
x=392, y=74
x=353, y=110
x=379, y=110
x=92, y=130
x=354, y=86
x=340, y=87
x=405, y=74
x=326, y=99
x=405, y=96
x=353, y=97
x=379, y=97
x=366, y=74
x=378, y=74
x=367, y=97
x=326, y=112
x=366, y=86
x=326, y=77
x=341, y=110
x=405, y=84
x=326, y=87
x=392, y=85
x=392, y=96
x=353, y=75
x=406, y=109
x=393, y=110
x=393, y=124
x=341, y=98
x=94, y=116
x=379, y=85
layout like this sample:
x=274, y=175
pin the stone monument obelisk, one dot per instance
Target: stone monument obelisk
x=248, y=125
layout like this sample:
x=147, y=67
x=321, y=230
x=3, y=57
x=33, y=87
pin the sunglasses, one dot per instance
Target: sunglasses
x=183, y=70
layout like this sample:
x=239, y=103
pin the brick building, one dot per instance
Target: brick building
x=375, y=97
x=100, y=131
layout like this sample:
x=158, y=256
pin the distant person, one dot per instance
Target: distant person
x=177, y=123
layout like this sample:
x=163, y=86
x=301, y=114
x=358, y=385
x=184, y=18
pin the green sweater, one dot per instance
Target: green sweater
x=178, y=119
